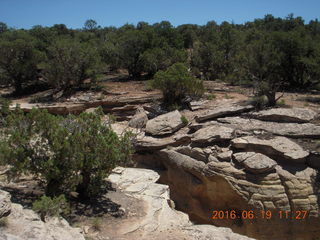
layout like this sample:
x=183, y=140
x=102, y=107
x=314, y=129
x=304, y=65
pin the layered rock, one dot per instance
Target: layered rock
x=165, y=124
x=161, y=220
x=257, y=187
x=212, y=134
x=293, y=130
x=223, y=111
x=255, y=162
x=278, y=147
x=295, y=115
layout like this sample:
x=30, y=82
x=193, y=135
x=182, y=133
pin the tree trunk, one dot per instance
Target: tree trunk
x=83, y=186
x=271, y=96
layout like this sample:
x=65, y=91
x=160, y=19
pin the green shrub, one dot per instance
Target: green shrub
x=70, y=153
x=184, y=120
x=211, y=96
x=282, y=102
x=53, y=207
x=176, y=83
x=259, y=102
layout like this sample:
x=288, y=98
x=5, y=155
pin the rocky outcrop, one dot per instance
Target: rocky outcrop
x=223, y=111
x=277, y=147
x=212, y=134
x=165, y=124
x=161, y=220
x=5, y=204
x=196, y=105
x=255, y=162
x=25, y=224
x=295, y=115
x=139, y=120
x=256, y=187
x=293, y=130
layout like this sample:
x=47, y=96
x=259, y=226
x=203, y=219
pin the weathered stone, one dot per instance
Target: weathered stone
x=196, y=105
x=139, y=120
x=225, y=156
x=160, y=218
x=165, y=124
x=5, y=204
x=26, y=224
x=294, y=115
x=212, y=134
x=223, y=111
x=294, y=130
x=277, y=147
x=255, y=162
x=196, y=153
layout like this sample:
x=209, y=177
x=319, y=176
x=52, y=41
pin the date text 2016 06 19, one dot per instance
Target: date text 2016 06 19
x=250, y=214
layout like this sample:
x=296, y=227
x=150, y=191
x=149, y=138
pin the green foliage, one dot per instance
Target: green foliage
x=19, y=59
x=53, y=207
x=211, y=96
x=70, y=63
x=259, y=102
x=176, y=83
x=184, y=120
x=71, y=153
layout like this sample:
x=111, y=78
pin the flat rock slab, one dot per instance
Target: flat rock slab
x=223, y=111
x=294, y=115
x=196, y=105
x=165, y=124
x=212, y=134
x=294, y=130
x=277, y=147
x=255, y=162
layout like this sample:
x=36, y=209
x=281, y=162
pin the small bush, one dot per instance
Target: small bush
x=184, y=120
x=53, y=207
x=259, y=102
x=176, y=83
x=282, y=102
x=211, y=96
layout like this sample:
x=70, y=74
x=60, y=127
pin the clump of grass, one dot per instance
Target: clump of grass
x=4, y=222
x=97, y=224
x=211, y=96
x=259, y=102
x=282, y=102
x=184, y=120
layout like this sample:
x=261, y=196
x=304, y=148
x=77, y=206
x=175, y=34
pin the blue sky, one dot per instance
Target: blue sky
x=73, y=13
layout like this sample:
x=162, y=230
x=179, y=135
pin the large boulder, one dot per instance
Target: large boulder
x=255, y=162
x=295, y=115
x=212, y=134
x=294, y=130
x=223, y=111
x=5, y=204
x=165, y=124
x=278, y=148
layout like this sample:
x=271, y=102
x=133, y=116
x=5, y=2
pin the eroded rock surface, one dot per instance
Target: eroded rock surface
x=255, y=162
x=139, y=120
x=25, y=224
x=295, y=115
x=295, y=130
x=223, y=111
x=165, y=124
x=278, y=147
x=161, y=220
x=212, y=134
